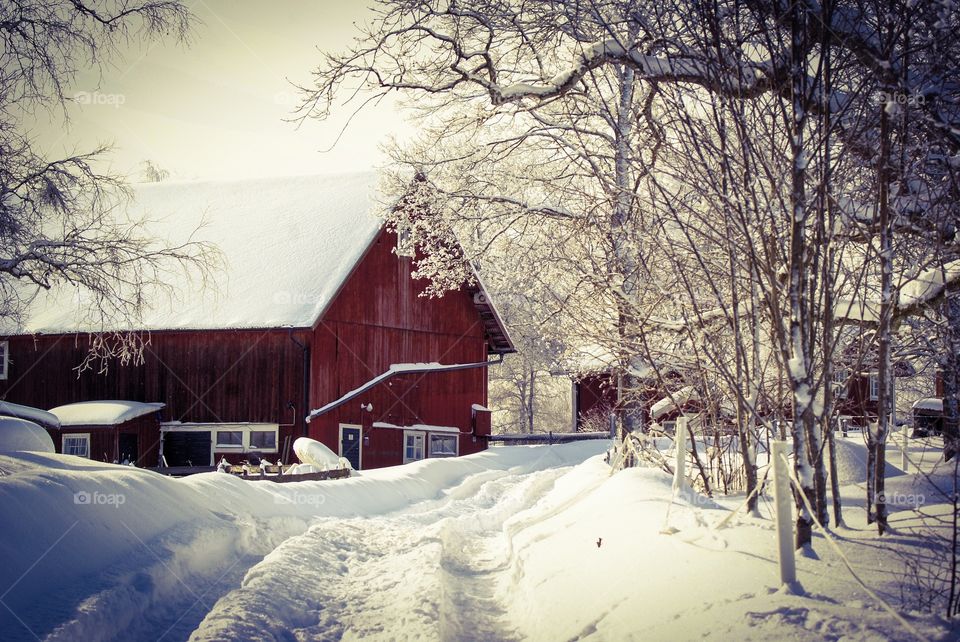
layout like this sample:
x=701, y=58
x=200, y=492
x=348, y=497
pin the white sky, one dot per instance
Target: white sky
x=215, y=108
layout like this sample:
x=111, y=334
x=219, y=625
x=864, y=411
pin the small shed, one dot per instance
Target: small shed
x=111, y=430
x=928, y=417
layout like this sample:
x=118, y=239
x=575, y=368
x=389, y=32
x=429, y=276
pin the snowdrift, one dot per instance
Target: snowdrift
x=110, y=549
x=852, y=463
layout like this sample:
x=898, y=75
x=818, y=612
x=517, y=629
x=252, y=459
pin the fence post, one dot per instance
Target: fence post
x=783, y=500
x=680, y=443
x=904, y=460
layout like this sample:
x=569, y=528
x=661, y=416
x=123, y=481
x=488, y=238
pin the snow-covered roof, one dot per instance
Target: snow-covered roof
x=680, y=397
x=37, y=416
x=287, y=245
x=594, y=358
x=394, y=370
x=102, y=413
x=423, y=427
x=930, y=403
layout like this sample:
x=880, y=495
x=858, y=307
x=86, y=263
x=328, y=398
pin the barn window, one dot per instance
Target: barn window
x=669, y=427
x=874, y=387
x=412, y=445
x=263, y=439
x=404, y=241
x=230, y=438
x=4, y=358
x=840, y=382
x=76, y=444
x=443, y=445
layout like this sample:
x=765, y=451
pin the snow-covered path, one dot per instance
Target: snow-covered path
x=519, y=543
x=437, y=570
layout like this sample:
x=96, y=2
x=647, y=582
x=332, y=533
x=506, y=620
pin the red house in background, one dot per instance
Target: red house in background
x=314, y=310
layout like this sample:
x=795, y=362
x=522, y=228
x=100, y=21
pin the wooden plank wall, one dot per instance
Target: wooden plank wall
x=202, y=376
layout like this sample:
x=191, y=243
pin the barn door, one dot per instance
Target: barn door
x=350, y=445
x=128, y=447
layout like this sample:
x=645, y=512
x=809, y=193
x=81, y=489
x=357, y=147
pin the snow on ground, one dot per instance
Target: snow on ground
x=536, y=542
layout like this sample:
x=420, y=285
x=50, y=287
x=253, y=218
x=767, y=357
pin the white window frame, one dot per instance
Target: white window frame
x=874, y=387
x=213, y=428
x=840, y=382
x=415, y=434
x=444, y=435
x=248, y=434
x=672, y=423
x=85, y=436
x=405, y=246
x=218, y=445
x=5, y=361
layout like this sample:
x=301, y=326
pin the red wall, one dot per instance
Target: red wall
x=379, y=319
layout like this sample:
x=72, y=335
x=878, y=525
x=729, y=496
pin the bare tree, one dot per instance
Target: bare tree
x=61, y=219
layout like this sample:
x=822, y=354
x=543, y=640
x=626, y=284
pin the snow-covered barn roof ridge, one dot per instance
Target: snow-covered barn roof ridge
x=288, y=244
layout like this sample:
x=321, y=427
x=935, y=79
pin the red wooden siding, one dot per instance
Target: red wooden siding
x=857, y=404
x=105, y=440
x=201, y=376
x=379, y=319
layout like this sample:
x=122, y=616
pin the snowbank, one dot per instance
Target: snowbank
x=852, y=462
x=102, y=413
x=110, y=549
x=22, y=435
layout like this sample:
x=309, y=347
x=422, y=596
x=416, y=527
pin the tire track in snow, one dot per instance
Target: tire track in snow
x=437, y=570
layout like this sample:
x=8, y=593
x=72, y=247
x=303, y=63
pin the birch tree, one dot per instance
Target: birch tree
x=502, y=61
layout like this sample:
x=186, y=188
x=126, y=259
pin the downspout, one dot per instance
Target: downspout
x=305, y=352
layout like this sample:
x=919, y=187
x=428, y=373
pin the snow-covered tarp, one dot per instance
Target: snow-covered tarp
x=314, y=453
x=287, y=246
x=21, y=435
x=102, y=413
x=36, y=415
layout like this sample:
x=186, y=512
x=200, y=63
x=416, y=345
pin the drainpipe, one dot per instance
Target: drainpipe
x=305, y=351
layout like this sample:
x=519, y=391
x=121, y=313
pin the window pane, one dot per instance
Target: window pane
x=75, y=446
x=413, y=447
x=263, y=439
x=229, y=438
x=443, y=446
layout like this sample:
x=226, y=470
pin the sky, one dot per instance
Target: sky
x=216, y=106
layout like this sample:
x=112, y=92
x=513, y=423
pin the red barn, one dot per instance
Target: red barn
x=313, y=310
